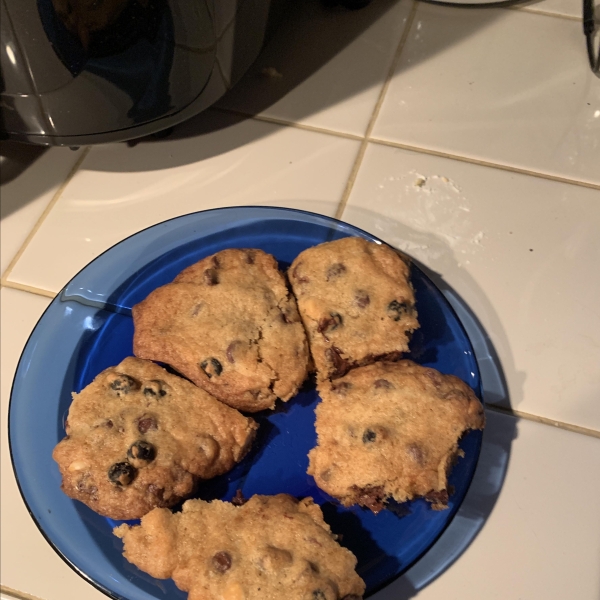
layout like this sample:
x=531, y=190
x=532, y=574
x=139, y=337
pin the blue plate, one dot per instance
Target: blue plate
x=88, y=327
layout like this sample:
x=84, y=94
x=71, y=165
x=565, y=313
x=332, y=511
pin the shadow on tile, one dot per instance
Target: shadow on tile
x=15, y=159
x=310, y=37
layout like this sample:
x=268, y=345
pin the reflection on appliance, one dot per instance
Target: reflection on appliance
x=128, y=43
x=77, y=72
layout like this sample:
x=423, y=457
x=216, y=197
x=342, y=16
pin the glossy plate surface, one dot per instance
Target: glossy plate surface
x=88, y=328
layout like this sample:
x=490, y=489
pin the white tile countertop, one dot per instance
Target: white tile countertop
x=468, y=138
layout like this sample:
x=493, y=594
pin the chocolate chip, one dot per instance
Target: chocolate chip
x=362, y=299
x=250, y=257
x=212, y=367
x=371, y=497
x=238, y=499
x=121, y=474
x=435, y=377
x=341, y=388
x=340, y=365
x=335, y=270
x=439, y=498
x=221, y=562
x=124, y=384
x=146, y=423
x=297, y=277
x=325, y=475
x=330, y=323
x=156, y=491
x=211, y=277
x=83, y=485
x=141, y=453
x=196, y=309
x=155, y=389
x=369, y=436
x=230, y=350
x=396, y=310
x=417, y=453
x=390, y=356
x=109, y=424
x=288, y=315
x=383, y=384
x=319, y=595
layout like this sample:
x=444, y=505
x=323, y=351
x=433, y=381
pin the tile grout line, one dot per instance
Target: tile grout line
x=545, y=13
x=16, y=594
x=365, y=142
x=13, y=285
x=351, y=179
x=418, y=149
x=483, y=163
x=292, y=124
x=544, y=420
x=44, y=214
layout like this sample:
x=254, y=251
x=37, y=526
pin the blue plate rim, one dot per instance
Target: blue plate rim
x=332, y=221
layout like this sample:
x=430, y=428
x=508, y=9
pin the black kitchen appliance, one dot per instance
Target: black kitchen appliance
x=77, y=72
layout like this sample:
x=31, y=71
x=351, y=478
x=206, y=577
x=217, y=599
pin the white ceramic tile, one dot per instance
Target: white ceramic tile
x=536, y=535
x=568, y=8
x=213, y=161
x=499, y=85
x=34, y=177
x=327, y=66
x=520, y=251
x=28, y=562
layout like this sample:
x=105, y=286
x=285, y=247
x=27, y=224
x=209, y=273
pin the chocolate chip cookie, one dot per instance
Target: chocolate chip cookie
x=139, y=437
x=229, y=324
x=270, y=548
x=391, y=430
x=356, y=302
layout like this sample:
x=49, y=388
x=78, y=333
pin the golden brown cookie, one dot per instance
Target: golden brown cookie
x=270, y=548
x=139, y=437
x=356, y=302
x=229, y=324
x=391, y=430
